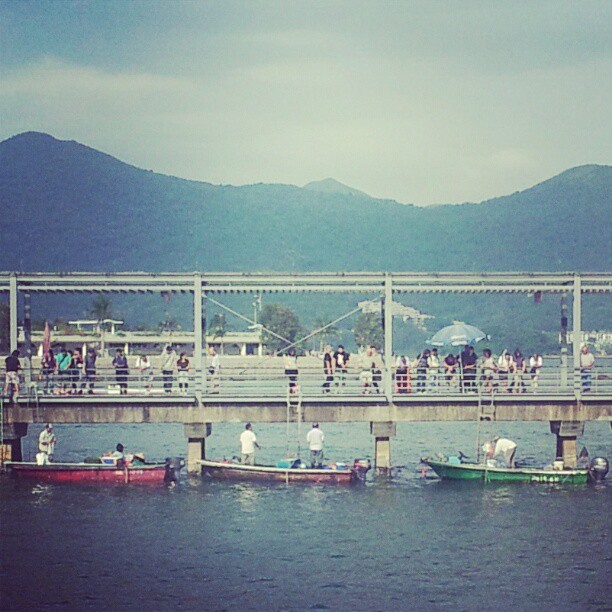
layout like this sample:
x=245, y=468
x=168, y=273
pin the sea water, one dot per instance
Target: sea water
x=403, y=543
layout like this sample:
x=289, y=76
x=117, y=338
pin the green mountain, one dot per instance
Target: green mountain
x=66, y=206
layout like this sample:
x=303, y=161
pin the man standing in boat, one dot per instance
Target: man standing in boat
x=46, y=442
x=506, y=449
x=248, y=441
x=315, y=439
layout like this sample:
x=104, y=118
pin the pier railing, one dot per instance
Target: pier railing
x=272, y=381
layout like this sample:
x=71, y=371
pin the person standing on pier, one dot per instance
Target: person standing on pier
x=341, y=359
x=89, y=377
x=315, y=439
x=11, y=378
x=248, y=442
x=63, y=360
x=535, y=365
x=183, y=373
x=120, y=364
x=143, y=365
x=46, y=443
x=215, y=368
x=48, y=366
x=328, y=368
x=168, y=365
x=587, y=361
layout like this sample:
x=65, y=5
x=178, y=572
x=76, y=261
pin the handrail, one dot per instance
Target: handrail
x=270, y=380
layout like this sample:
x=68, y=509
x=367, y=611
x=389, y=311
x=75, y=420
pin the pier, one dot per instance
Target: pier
x=256, y=389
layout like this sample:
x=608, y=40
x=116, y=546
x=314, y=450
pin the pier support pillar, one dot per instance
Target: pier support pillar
x=383, y=432
x=567, y=446
x=196, y=434
x=11, y=441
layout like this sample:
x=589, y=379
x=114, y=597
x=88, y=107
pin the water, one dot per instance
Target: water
x=402, y=544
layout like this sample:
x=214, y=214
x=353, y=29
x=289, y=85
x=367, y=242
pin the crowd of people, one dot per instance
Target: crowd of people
x=510, y=372
x=70, y=372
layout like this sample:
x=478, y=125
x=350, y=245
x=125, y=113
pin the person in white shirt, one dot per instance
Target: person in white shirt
x=46, y=442
x=535, y=364
x=315, y=439
x=587, y=361
x=505, y=448
x=143, y=365
x=248, y=441
x=168, y=365
x=214, y=368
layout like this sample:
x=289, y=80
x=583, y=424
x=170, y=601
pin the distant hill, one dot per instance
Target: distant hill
x=330, y=185
x=66, y=206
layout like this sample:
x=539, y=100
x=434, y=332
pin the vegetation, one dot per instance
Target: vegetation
x=368, y=330
x=218, y=325
x=101, y=308
x=283, y=322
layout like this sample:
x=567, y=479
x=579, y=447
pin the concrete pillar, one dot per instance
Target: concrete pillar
x=11, y=441
x=382, y=433
x=196, y=434
x=382, y=454
x=567, y=445
x=577, y=332
x=13, y=312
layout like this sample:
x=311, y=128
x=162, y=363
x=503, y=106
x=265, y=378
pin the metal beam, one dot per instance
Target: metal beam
x=388, y=330
x=198, y=334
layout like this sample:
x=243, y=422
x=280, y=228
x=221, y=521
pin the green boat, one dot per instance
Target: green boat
x=454, y=469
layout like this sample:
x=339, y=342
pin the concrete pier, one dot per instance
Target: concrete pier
x=567, y=440
x=383, y=432
x=196, y=434
x=12, y=433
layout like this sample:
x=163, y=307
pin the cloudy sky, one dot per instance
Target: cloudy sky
x=422, y=102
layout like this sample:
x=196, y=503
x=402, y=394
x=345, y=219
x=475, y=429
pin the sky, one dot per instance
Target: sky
x=420, y=102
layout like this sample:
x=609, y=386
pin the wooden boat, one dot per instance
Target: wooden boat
x=229, y=470
x=155, y=473
x=453, y=469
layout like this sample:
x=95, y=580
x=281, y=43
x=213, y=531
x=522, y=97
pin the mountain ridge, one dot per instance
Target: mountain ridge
x=117, y=216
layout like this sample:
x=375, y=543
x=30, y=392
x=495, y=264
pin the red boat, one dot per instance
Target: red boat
x=228, y=470
x=156, y=473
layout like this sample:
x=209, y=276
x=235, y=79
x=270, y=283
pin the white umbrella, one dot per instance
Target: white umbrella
x=458, y=334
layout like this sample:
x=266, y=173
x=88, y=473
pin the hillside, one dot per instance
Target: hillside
x=66, y=206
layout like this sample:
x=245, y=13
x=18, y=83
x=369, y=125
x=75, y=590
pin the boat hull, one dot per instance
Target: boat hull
x=260, y=473
x=478, y=472
x=89, y=473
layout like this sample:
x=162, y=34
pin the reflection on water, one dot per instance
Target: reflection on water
x=403, y=543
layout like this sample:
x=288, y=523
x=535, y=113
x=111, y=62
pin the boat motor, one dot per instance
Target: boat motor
x=173, y=469
x=599, y=468
x=361, y=468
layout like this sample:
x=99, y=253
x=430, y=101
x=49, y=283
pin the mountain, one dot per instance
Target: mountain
x=66, y=206
x=330, y=185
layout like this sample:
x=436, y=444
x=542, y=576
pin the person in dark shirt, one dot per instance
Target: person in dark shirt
x=469, y=359
x=328, y=369
x=12, y=375
x=120, y=364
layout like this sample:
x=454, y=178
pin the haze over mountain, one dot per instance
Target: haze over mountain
x=66, y=206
